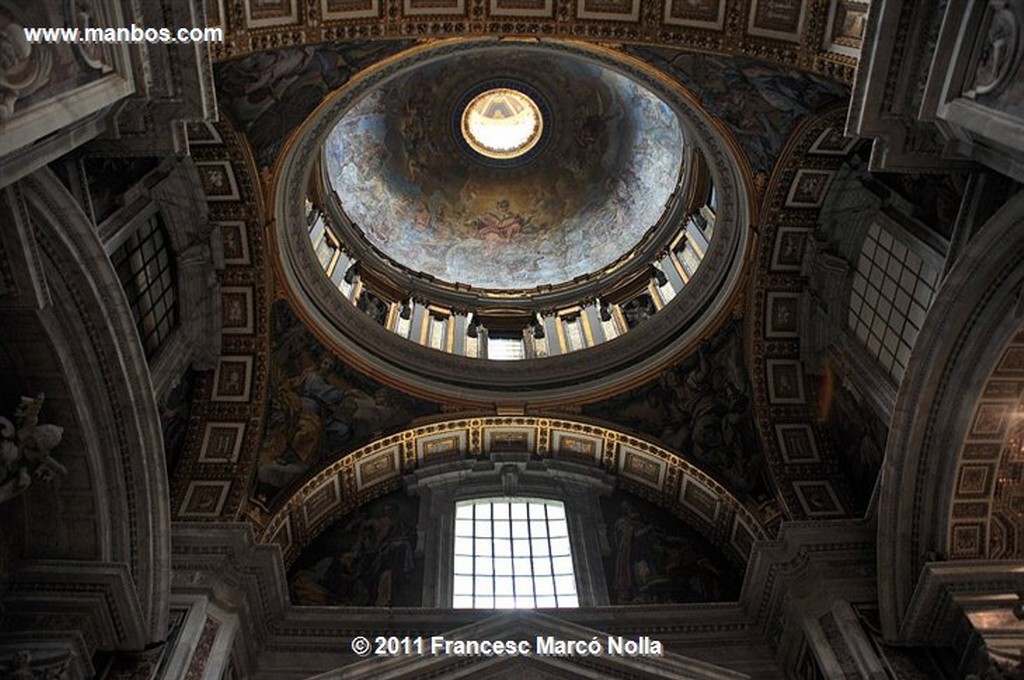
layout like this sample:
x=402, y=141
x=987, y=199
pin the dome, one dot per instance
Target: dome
x=509, y=170
x=603, y=231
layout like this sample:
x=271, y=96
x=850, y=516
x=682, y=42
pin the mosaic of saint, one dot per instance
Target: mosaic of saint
x=365, y=559
x=586, y=198
x=319, y=408
x=270, y=93
x=702, y=409
x=760, y=103
x=656, y=559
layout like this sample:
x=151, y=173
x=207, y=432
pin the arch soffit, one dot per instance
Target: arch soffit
x=639, y=466
x=786, y=420
x=108, y=377
x=983, y=519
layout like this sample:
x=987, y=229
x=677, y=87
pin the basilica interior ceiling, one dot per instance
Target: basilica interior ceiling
x=730, y=433
x=716, y=292
x=703, y=393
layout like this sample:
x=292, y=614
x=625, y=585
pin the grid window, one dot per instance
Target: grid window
x=437, y=331
x=574, y=333
x=611, y=329
x=892, y=289
x=472, y=347
x=690, y=251
x=144, y=267
x=512, y=554
x=505, y=348
x=324, y=244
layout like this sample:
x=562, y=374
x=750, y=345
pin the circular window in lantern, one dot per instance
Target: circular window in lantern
x=502, y=123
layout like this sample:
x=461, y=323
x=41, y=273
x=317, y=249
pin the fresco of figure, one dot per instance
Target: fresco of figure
x=369, y=561
x=502, y=224
x=318, y=407
x=306, y=407
x=707, y=409
x=653, y=562
x=701, y=409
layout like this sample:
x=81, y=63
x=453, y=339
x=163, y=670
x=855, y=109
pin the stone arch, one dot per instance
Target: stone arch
x=641, y=467
x=84, y=315
x=976, y=314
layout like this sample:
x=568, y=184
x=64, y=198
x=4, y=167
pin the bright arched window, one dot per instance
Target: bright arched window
x=512, y=553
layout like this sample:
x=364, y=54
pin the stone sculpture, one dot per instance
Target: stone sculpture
x=25, y=449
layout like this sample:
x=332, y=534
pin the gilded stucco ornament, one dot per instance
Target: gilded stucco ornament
x=25, y=449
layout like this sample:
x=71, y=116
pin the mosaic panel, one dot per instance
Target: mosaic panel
x=975, y=481
x=742, y=538
x=433, y=7
x=797, y=443
x=235, y=238
x=832, y=142
x=788, y=253
x=204, y=500
x=236, y=310
x=264, y=13
x=699, y=499
x=844, y=32
x=818, y=499
x=783, y=318
x=642, y=466
x=322, y=500
x=577, y=446
x=785, y=381
x=441, y=447
x=378, y=468
x=510, y=439
x=967, y=540
x=202, y=133
x=218, y=178
x=782, y=19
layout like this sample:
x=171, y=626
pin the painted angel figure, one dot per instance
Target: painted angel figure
x=25, y=449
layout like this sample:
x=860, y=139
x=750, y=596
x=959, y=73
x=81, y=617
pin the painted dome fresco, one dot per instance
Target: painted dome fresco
x=506, y=169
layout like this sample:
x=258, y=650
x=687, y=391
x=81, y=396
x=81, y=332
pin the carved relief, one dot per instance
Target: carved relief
x=24, y=667
x=656, y=559
x=997, y=50
x=24, y=67
x=82, y=14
